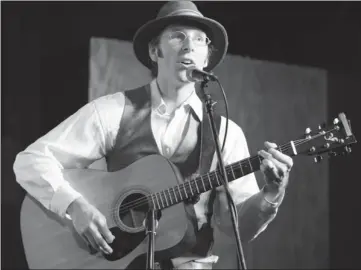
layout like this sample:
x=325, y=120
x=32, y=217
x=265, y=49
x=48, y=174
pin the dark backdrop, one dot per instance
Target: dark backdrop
x=45, y=51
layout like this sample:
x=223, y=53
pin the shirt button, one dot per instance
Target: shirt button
x=167, y=150
x=162, y=109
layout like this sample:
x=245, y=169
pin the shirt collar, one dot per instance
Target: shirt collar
x=160, y=107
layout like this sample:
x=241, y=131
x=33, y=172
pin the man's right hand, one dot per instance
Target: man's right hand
x=91, y=225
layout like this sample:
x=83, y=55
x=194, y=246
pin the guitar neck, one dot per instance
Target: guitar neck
x=208, y=181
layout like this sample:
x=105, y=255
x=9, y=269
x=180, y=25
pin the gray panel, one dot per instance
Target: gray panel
x=270, y=101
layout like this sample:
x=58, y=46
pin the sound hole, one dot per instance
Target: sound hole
x=133, y=210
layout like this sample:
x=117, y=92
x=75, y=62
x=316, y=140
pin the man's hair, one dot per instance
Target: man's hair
x=155, y=43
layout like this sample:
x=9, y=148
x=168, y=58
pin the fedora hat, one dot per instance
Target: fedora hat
x=181, y=12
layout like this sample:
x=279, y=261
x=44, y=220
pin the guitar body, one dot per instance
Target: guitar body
x=51, y=242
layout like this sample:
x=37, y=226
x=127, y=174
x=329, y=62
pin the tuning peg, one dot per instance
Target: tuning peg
x=321, y=126
x=336, y=121
x=348, y=149
x=332, y=154
x=308, y=133
x=312, y=149
x=318, y=159
x=326, y=145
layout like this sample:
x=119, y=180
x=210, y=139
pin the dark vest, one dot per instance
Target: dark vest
x=135, y=140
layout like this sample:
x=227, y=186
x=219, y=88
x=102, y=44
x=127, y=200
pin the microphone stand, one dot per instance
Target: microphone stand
x=209, y=107
x=150, y=231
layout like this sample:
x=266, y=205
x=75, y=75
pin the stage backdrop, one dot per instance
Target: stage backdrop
x=270, y=101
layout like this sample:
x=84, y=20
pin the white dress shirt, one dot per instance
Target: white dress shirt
x=89, y=133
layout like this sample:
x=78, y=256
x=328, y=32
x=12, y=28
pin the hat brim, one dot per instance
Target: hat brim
x=214, y=30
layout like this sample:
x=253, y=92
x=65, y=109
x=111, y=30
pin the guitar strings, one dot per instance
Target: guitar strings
x=191, y=184
x=183, y=187
x=147, y=199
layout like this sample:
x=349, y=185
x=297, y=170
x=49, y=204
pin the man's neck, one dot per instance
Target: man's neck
x=174, y=94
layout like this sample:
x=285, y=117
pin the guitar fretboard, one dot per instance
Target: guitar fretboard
x=206, y=182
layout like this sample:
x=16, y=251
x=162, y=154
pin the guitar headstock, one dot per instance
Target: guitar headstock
x=332, y=140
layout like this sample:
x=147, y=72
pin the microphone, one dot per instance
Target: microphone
x=196, y=75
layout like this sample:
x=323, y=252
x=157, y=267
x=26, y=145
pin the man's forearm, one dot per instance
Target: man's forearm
x=254, y=214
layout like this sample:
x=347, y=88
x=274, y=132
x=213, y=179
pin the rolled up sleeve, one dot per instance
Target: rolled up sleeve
x=254, y=212
x=75, y=143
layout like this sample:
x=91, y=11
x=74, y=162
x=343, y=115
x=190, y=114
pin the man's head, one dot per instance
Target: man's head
x=177, y=48
x=180, y=32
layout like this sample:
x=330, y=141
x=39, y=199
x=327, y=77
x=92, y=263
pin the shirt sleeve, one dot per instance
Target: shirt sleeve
x=78, y=141
x=236, y=149
x=245, y=191
x=246, y=186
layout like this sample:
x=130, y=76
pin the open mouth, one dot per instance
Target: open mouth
x=187, y=62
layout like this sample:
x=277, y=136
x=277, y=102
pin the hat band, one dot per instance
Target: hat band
x=185, y=12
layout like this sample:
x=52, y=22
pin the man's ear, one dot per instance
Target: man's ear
x=206, y=62
x=153, y=53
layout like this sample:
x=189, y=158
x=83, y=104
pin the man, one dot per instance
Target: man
x=164, y=116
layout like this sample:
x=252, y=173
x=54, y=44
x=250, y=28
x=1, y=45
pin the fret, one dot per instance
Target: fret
x=180, y=193
x=175, y=195
x=165, y=197
x=161, y=199
x=255, y=163
x=209, y=180
x=170, y=196
x=241, y=166
x=250, y=164
x=195, y=181
x=203, y=183
x=259, y=158
x=157, y=201
x=190, y=187
x=217, y=179
x=234, y=176
x=154, y=206
x=185, y=190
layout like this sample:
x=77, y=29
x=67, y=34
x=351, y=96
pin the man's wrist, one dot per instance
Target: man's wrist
x=273, y=194
x=77, y=203
x=62, y=198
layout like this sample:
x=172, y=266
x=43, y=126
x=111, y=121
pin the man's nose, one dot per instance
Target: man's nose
x=188, y=45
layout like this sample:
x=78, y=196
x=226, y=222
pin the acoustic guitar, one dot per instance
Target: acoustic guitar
x=126, y=196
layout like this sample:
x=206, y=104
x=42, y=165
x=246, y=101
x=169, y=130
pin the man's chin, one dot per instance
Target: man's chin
x=182, y=76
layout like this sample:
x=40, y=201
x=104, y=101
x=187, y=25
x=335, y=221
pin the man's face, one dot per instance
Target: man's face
x=181, y=47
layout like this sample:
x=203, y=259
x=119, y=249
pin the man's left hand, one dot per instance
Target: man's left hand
x=276, y=168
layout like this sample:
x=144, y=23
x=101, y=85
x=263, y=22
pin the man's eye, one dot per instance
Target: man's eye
x=177, y=36
x=200, y=38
